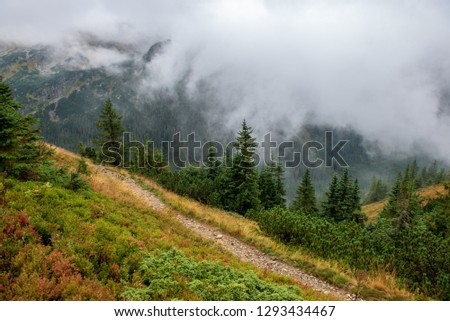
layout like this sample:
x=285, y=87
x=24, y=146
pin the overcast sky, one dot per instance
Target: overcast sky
x=381, y=66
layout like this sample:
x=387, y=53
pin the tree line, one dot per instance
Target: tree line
x=233, y=183
x=421, y=177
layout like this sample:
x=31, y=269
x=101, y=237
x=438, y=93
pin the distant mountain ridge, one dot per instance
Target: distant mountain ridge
x=65, y=93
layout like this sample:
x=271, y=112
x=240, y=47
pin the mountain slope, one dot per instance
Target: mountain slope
x=373, y=286
x=230, y=243
x=372, y=210
x=61, y=244
x=66, y=91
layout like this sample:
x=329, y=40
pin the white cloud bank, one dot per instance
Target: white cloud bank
x=380, y=66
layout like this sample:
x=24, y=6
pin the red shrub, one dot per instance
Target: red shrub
x=50, y=276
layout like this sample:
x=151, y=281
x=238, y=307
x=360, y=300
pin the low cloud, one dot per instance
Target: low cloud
x=382, y=67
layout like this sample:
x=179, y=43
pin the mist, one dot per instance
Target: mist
x=381, y=67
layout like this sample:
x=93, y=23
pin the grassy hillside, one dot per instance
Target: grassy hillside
x=379, y=285
x=103, y=243
x=372, y=210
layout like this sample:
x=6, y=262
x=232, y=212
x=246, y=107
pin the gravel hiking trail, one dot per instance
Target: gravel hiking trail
x=233, y=245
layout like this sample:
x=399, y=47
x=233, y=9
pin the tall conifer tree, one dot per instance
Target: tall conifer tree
x=110, y=135
x=305, y=199
x=267, y=188
x=280, y=198
x=343, y=200
x=244, y=184
x=271, y=186
x=403, y=203
x=19, y=149
x=330, y=207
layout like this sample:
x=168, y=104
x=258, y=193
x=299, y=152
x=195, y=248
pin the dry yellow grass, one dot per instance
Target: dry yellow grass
x=431, y=192
x=373, y=210
x=387, y=283
x=65, y=158
x=100, y=182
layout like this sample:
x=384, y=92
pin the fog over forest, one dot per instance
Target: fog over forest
x=381, y=67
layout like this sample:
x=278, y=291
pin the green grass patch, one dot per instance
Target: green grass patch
x=60, y=244
x=170, y=274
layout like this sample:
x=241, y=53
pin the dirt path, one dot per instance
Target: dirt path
x=236, y=247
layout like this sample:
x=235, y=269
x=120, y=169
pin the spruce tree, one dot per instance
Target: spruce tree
x=212, y=164
x=330, y=207
x=391, y=208
x=305, y=199
x=271, y=186
x=356, y=198
x=378, y=190
x=442, y=176
x=432, y=173
x=403, y=203
x=280, y=196
x=414, y=169
x=267, y=188
x=109, y=137
x=423, y=177
x=356, y=214
x=19, y=150
x=343, y=200
x=244, y=184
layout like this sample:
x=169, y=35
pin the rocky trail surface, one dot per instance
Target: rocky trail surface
x=233, y=245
